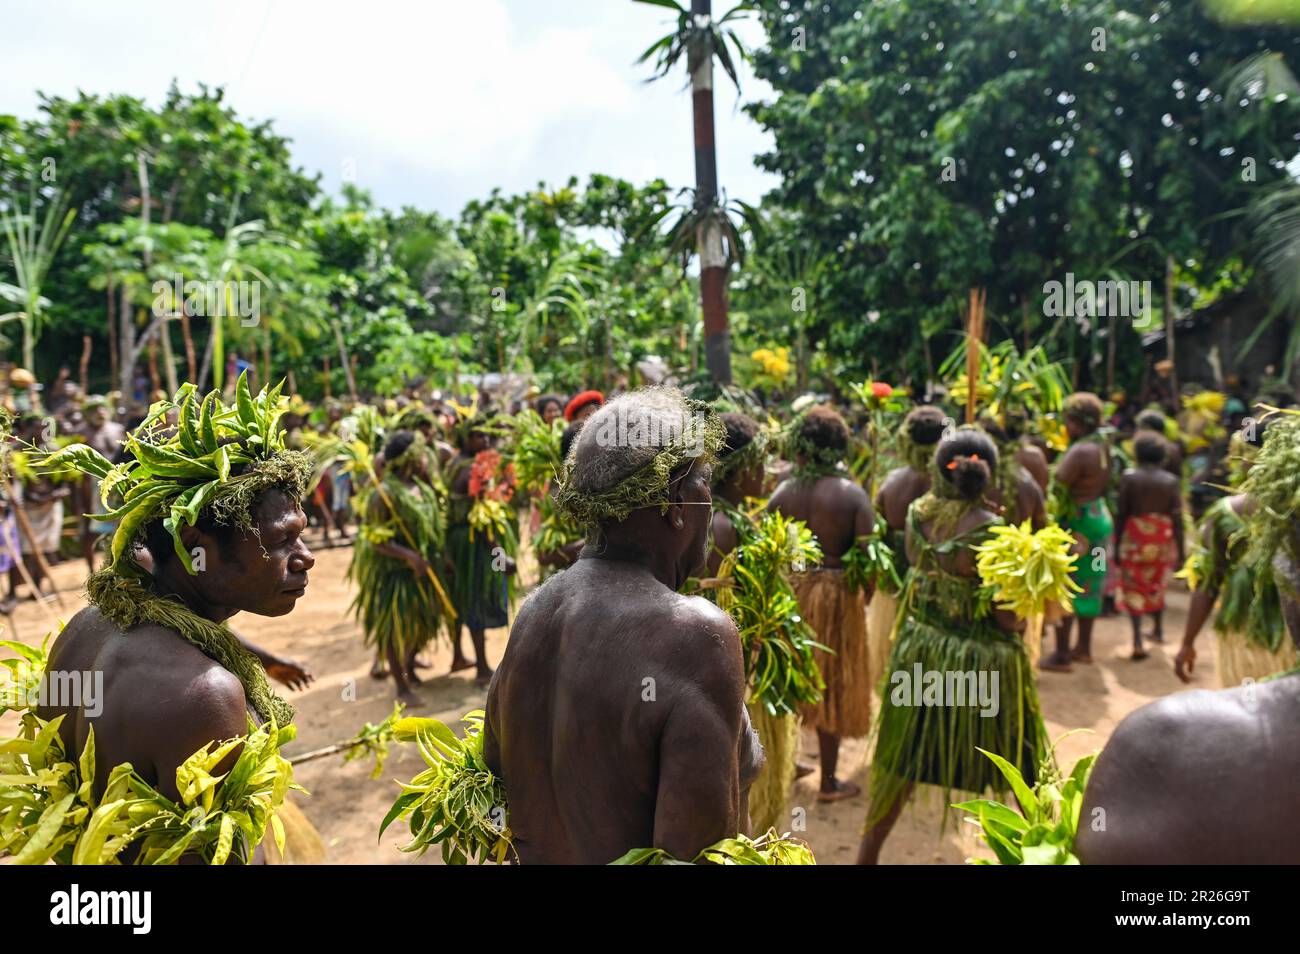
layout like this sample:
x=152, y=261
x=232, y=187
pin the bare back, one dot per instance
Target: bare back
x=1200, y=777
x=152, y=698
x=900, y=487
x=835, y=509
x=617, y=720
x=1085, y=470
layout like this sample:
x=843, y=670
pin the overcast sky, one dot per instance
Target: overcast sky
x=431, y=102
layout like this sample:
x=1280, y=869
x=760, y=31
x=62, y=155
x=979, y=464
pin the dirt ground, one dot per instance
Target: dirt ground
x=347, y=805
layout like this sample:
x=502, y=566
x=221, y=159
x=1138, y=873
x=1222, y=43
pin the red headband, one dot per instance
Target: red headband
x=580, y=401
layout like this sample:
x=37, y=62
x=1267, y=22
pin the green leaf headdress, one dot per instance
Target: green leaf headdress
x=1274, y=484
x=700, y=436
x=753, y=454
x=817, y=461
x=217, y=459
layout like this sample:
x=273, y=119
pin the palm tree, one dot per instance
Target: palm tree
x=701, y=38
x=32, y=251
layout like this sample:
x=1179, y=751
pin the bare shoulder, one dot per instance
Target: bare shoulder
x=702, y=640
x=843, y=492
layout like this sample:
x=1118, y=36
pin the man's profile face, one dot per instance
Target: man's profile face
x=263, y=573
x=697, y=515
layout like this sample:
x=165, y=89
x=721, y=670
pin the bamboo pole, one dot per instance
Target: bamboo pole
x=84, y=366
x=974, y=338
x=27, y=578
x=25, y=526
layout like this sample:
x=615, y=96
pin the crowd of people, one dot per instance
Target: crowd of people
x=686, y=584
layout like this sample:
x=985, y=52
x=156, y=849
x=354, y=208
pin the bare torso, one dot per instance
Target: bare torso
x=835, y=509
x=1200, y=777
x=161, y=699
x=617, y=721
x=1085, y=470
x=900, y=487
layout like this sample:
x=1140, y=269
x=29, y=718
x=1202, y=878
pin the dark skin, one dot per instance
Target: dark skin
x=738, y=486
x=1032, y=459
x=1030, y=503
x=593, y=767
x=961, y=563
x=1149, y=488
x=162, y=698
x=838, y=512
x=1203, y=599
x=1171, y=783
x=1085, y=470
x=901, y=486
x=475, y=443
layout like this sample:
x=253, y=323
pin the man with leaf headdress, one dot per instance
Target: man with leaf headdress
x=212, y=507
x=616, y=719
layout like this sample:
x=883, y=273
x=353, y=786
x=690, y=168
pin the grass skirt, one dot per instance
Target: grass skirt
x=936, y=744
x=479, y=592
x=395, y=608
x=881, y=613
x=1240, y=658
x=838, y=615
x=302, y=843
x=769, y=795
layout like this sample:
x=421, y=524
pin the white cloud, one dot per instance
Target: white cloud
x=433, y=102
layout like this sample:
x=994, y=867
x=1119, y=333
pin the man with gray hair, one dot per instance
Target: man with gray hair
x=616, y=719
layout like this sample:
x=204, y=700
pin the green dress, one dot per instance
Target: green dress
x=983, y=695
x=395, y=607
x=480, y=589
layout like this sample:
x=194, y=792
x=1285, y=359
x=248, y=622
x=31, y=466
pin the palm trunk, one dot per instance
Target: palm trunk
x=187, y=335
x=112, y=336
x=1169, y=332
x=84, y=366
x=713, y=262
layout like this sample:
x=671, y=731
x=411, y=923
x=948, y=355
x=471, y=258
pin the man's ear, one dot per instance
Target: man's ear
x=199, y=545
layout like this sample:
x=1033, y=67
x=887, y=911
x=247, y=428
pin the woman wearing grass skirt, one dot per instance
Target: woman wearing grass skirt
x=820, y=493
x=482, y=555
x=959, y=677
x=917, y=438
x=398, y=600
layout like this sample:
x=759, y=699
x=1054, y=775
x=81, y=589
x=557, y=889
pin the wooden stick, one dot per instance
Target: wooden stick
x=85, y=364
x=26, y=528
x=27, y=578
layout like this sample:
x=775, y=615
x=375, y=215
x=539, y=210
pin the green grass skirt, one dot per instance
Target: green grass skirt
x=394, y=607
x=480, y=591
x=936, y=744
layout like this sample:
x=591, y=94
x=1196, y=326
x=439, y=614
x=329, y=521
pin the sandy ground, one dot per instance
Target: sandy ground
x=347, y=805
